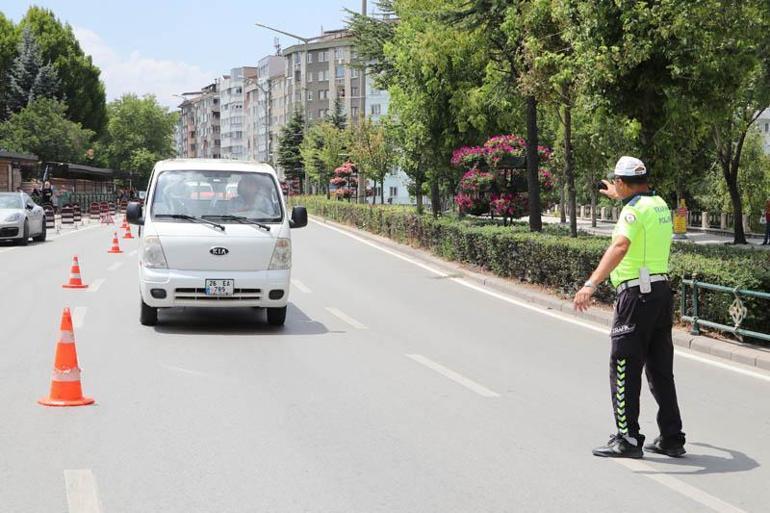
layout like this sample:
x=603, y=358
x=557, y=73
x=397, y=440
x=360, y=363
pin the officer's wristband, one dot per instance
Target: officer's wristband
x=589, y=284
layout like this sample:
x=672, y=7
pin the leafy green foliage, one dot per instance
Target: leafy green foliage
x=9, y=42
x=289, y=143
x=139, y=133
x=29, y=78
x=371, y=149
x=42, y=128
x=79, y=83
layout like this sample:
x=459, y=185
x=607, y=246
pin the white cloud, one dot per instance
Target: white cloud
x=138, y=74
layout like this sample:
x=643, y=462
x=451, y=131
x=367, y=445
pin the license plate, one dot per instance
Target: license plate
x=220, y=287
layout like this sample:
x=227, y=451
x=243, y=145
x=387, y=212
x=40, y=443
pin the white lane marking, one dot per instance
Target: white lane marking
x=8, y=249
x=601, y=329
x=115, y=266
x=454, y=376
x=79, y=316
x=345, y=317
x=95, y=285
x=132, y=253
x=185, y=371
x=81, y=491
x=301, y=286
x=678, y=486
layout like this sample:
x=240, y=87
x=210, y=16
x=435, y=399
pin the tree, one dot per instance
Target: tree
x=323, y=150
x=9, y=42
x=79, y=82
x=338, y=119
x=372, y=150
x=29, y=78
x=289, y=143
x=138, y=134
x=42, y=128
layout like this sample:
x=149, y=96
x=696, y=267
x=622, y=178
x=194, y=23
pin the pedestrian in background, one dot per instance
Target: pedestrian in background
x=637, y=264
x=766, y=217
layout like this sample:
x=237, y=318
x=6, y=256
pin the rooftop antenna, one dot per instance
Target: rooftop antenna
x=277, y=45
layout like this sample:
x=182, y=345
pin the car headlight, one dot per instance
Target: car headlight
x=281, y=255
x=16, y=216
x=152, y=253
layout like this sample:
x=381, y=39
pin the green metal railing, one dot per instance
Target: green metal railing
x=737, y=309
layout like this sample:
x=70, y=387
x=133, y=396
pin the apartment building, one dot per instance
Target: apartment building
x=231, y=99
x=259, y=92
x=321, y=71
x=198, y=132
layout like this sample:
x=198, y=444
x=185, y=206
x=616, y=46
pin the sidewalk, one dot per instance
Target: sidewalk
x=698, y=237
x=746, y=354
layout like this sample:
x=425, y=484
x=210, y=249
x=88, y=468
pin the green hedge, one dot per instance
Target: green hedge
x=552, y=258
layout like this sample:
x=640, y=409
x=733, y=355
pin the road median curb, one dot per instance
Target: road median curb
x=745, y=354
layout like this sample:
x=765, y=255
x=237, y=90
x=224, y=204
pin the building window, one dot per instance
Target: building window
x=393, y=191
x=310, y=96
x=767, y=127
x=323, y=56
x=339, y=53
x=375, y=109
x=340, y=92
x=339, y=71
x=310, y=57
x=353, y=91
x=309, y=77
x=309, y=116
x=354, y=112
x=353, y=72
x=323, y=94
x=296, y=58
x=323, y=75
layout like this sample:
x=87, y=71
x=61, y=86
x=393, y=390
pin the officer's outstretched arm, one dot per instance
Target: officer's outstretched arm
x=609, y=261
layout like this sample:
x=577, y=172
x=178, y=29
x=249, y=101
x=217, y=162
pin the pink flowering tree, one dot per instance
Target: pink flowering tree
x=345, y=181
x=495, y=182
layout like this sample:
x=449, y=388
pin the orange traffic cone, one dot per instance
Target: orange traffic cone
x=65, y=381
x=128, y=235
x=125, y=224
x=75, y=281
x=115, y=244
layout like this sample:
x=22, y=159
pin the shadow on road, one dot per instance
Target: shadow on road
x=234, y=321
x=694, y=464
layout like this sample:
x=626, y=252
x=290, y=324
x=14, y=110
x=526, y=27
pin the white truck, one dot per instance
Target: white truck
x=216, y=233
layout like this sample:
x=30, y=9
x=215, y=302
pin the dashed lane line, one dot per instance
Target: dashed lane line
x=95, y=285
x=82, y=497
x=301, y=286
x=115, y=266
x=454, y=376
x=79, y=316
x=345, y=317
x=562, y=317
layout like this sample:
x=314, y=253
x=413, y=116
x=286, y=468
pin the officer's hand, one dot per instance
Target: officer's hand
x=610, y=191
x=583, y=299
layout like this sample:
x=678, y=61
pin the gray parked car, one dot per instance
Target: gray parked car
x=21, y=218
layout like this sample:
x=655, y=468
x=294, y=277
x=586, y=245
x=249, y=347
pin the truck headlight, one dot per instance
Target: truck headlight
x=152, y=253
x=281, y=259
x=16, y=216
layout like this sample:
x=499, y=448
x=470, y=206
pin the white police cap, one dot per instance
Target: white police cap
x=629, y=167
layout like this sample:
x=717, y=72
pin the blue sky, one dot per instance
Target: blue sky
x=170, y=46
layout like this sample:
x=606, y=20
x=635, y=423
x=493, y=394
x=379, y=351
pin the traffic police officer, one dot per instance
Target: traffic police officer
x=637, y=264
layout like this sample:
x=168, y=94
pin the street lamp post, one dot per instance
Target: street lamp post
x=305, y=41
x=266, y=96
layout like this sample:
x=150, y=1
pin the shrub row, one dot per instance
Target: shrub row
x=552, y=258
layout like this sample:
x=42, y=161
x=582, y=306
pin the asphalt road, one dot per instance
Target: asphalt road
x=392, y=388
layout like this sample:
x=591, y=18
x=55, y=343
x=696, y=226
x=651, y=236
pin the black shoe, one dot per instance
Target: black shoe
x=620, y=446
x=672, y=446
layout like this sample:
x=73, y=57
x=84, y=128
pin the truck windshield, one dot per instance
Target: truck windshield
x=217, y=193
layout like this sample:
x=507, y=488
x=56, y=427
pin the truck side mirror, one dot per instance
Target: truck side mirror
x=134, y=213
x=298, y=217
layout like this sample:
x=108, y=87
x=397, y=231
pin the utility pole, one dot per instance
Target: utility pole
x=361, y=182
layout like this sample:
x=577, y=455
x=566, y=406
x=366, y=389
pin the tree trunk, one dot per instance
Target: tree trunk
x=382, y=191
x=569, y=170
x=533, y=183
x=593, y=206
x=739, y=237
x=435, y=201
x=418, y=192
x=562, y=199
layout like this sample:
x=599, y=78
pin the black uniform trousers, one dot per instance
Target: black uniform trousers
x=641, y=338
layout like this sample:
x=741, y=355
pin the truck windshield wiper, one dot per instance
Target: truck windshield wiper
x=239, y=219
x=191, y=218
